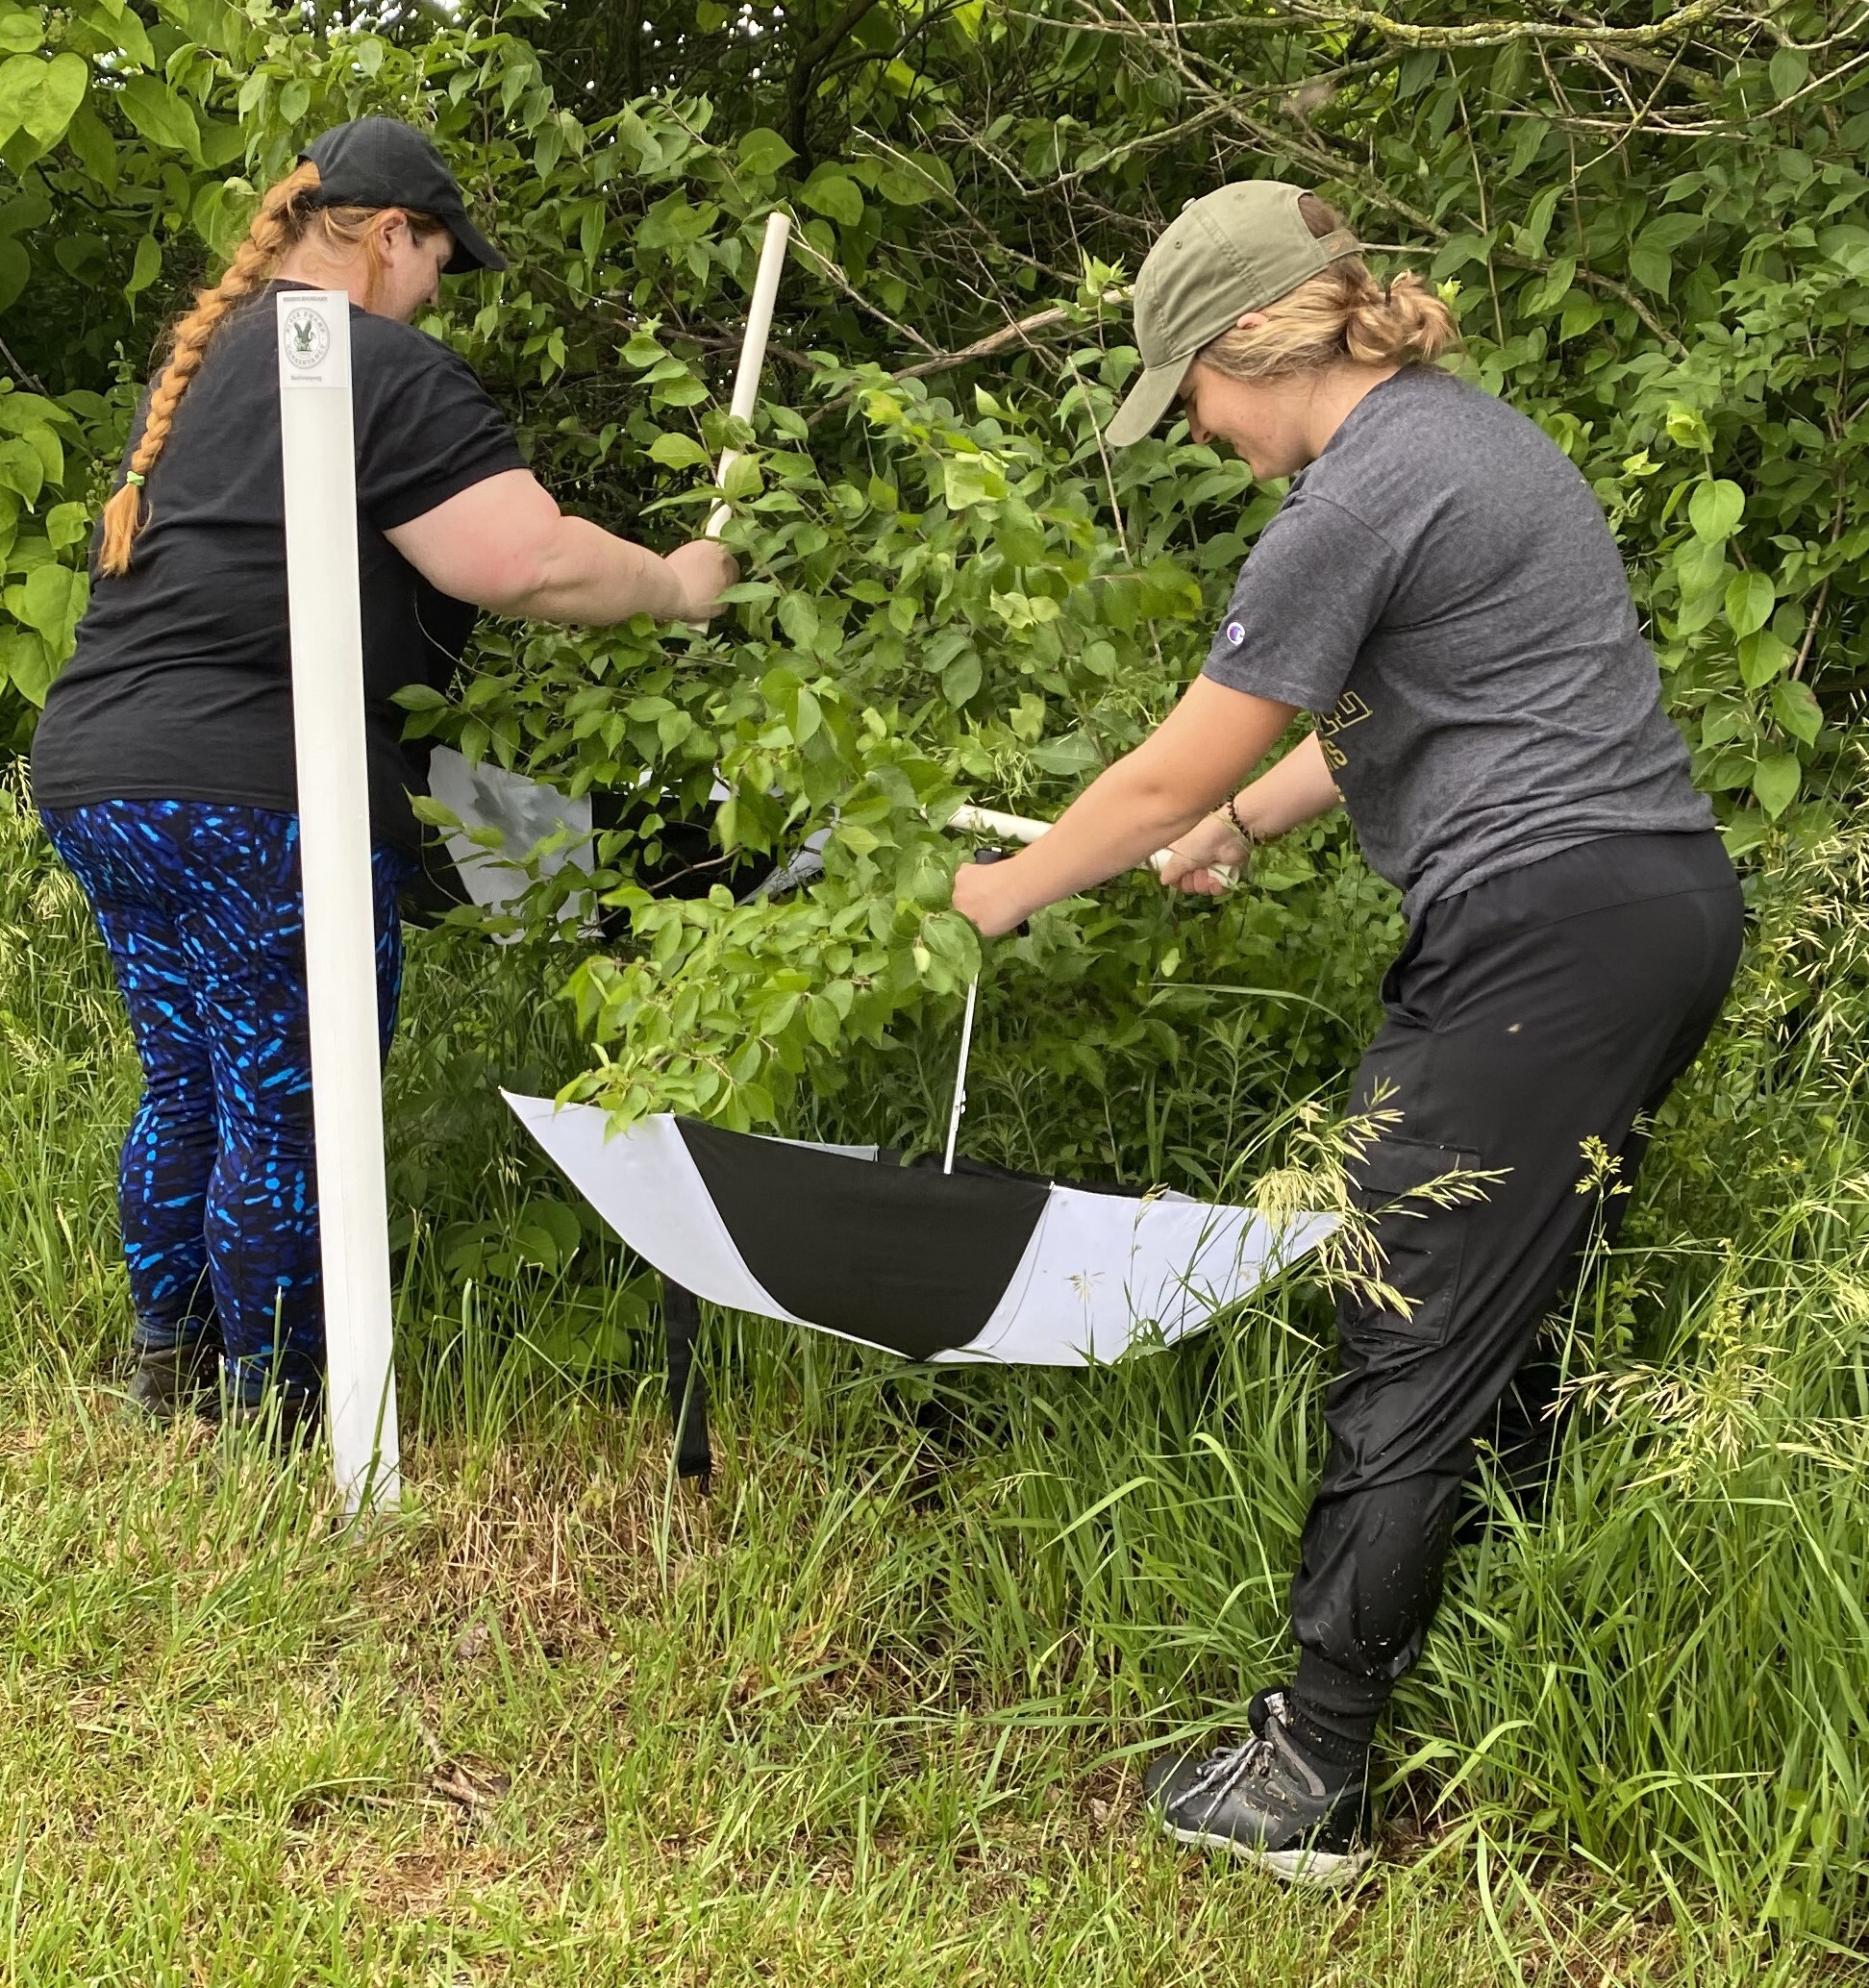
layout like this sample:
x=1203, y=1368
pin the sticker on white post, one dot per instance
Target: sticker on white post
x=327, y=630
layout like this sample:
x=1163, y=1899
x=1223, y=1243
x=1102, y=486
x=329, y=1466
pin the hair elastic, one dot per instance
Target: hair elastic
x=136, y=479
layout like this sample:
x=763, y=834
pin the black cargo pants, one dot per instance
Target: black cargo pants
x=1546, y=1007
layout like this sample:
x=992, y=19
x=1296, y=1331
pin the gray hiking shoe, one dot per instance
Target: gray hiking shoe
x=1268, y=1801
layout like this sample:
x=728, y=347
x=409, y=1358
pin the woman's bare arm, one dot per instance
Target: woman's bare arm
x=504, y=545
x=1210, y=739
x=1299, y=788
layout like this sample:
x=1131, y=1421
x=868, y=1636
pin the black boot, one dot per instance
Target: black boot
x=177, y=1381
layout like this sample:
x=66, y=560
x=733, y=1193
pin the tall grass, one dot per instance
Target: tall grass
x=878, y=1696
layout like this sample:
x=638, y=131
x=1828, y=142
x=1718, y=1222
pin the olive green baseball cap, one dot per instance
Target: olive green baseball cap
x=1231, y=251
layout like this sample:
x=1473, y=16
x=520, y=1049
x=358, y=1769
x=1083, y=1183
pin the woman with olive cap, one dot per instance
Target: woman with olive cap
x=1440, y=591
x=163, y=761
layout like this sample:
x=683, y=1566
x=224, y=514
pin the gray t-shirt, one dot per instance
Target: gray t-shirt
x=1441, y=588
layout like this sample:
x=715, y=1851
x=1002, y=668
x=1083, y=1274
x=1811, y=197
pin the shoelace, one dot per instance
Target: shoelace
x=1257, y=1759
x=1224, y=1769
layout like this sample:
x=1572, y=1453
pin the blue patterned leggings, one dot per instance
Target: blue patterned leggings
x=199, y=905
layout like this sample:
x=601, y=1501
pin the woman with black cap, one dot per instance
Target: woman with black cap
x=1440, y=591
x=163, y=761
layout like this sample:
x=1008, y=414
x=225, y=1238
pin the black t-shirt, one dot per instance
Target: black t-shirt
x=180, y=689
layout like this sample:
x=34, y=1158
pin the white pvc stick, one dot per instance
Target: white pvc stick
x=960, y=1075
x=752, y=360
x=327, y=629
x=1022, y=828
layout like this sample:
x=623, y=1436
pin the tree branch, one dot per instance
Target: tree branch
x=806, y=66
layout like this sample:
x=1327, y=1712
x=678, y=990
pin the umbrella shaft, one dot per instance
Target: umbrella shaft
x=1019, y=828
x=960, y=1075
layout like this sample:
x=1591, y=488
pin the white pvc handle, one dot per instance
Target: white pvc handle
x=1022, y=828
x=752, y=360
x=334, y=804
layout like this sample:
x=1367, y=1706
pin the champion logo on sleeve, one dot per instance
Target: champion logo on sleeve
x=1236, y=632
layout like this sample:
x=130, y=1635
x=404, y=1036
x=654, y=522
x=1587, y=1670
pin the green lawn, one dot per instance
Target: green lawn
x=554, y=1725
x=867, y=1714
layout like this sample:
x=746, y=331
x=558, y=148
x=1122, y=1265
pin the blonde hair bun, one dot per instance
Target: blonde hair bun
x=1341, y=313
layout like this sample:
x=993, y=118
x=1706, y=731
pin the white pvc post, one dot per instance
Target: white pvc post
x=752, y=359
x=314, y=412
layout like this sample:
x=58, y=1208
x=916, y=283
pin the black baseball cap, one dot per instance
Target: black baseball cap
x=379, y=161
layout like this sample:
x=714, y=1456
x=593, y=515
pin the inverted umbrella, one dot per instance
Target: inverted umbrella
x=981, y=1264
x=932, y=1261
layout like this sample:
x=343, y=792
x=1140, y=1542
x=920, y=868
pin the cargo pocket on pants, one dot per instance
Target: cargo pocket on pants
x=1418, y=1223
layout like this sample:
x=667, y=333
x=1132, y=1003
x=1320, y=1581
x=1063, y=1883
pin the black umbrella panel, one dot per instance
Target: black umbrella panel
x=972, y=1266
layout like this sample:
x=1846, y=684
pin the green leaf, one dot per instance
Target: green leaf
x=51, y=601
x=1789, y=70
x=23, y=29
x=21, y=469
x=208, y=220
x=832, y=193
x=798, y=616
x=1775, y=781
x=971, y=480
x=420, y=697
x=1652, y=268
x=1581, y=314
x=130, y=36
x=1545, y=296
x=91, y=140
x=1687, y=427
x=676, y=451
x=762, y=151
x=1750, y=598
x=147, y=268
x=961, y=678
x=1715, y=509
x=61, y=90
x=39, y=98
x=1537, y=224
x=222, y=145
x=1069, y=755
x=1701, y=569
x=914, y=179
x=159, y=115
x=30, y=210
x=25, y=664
x=1761, y=657
x=1456, y=252
x=1796, y=709
x=67, y=524
x=15, y=267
